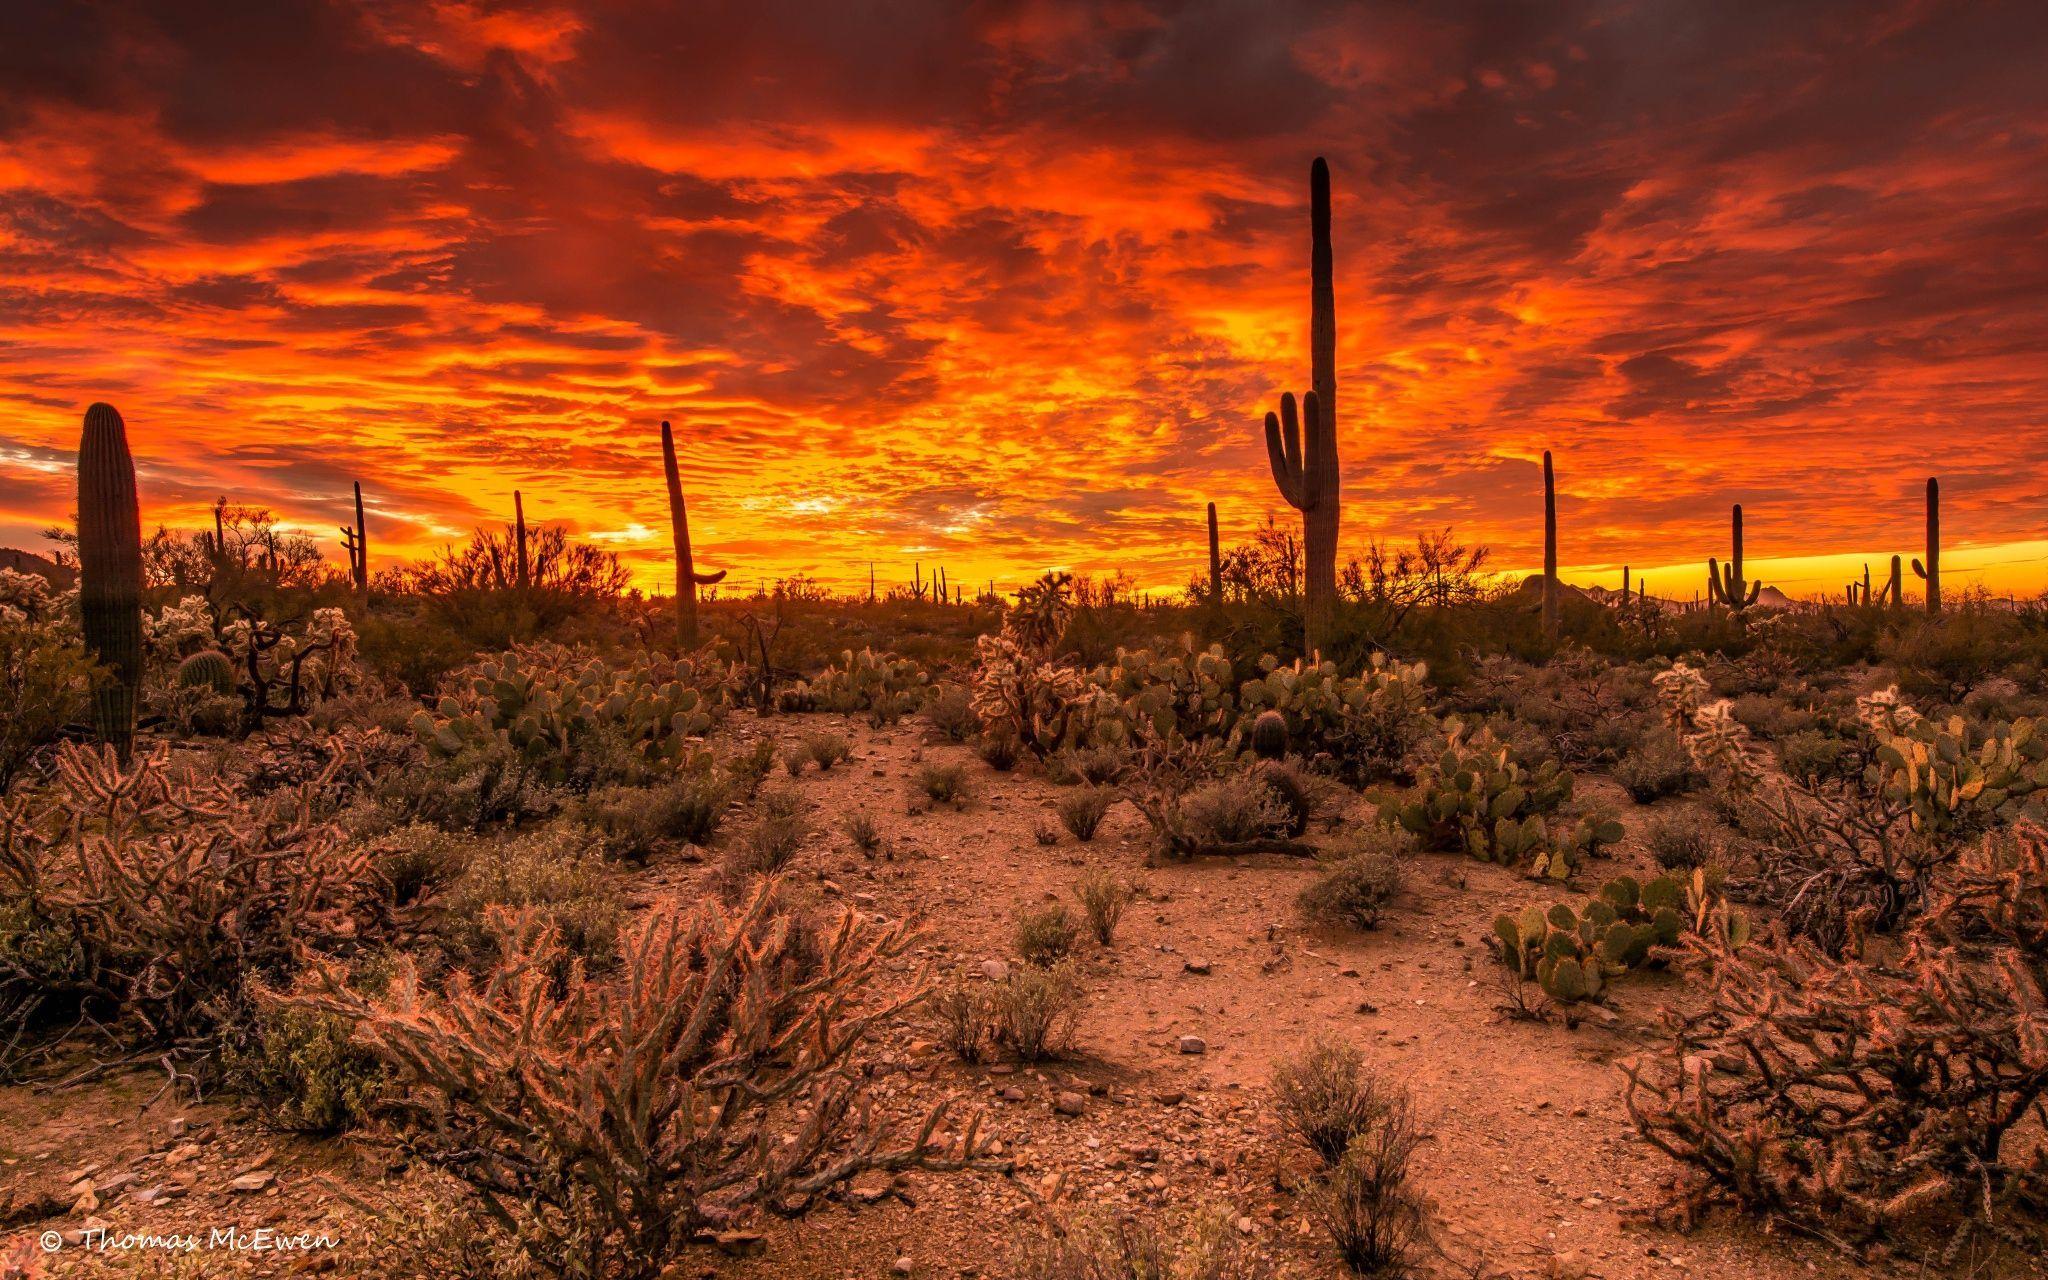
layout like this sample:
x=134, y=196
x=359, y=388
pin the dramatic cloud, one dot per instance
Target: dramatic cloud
x=1008, y=285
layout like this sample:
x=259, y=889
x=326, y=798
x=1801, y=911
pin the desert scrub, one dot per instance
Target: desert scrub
x=1679, y=844
x=554, y=874
x=1654, y=768
x=635, y=821
x=861, y=832
x=1046, y=935
x=1081, y=811
x=998, y=751
x=765, y=847
x=1088, y=766
x=1103, y=897
x=750, y=768
x=950, y=713
x=1362, y=1128
x=1234, y=810
x=942, y=783
x=1034, y=1010
x=1327, y=1096
x=1354, y=888
x=1209, y=1248
x=963, y=1019
x=417, y=861
x=551, y=1092
x=1812, y=757
x=305, y=1068
x=825, y=749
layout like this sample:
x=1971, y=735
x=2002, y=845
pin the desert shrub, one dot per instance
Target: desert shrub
x=1945, y=656
x=1876, y=1096
x=998, y=751
x=610, y=1123
x=1046, y=934
x=1654, y=768
x=1681, y=844
x=1103, y=898
x=417, y=861
x=305, y=1067
x=1092, y=766
x=942, y=782
x=765, y=847
x=1210, y=1249
x=156, y=900
x=1234, y=810
x=826, y=749
x=950, y=713
x=45, y=675
x=751, y=767
x=964, y=1019
x=1812, y=757
x=1081, y=810
x=1353, y=889
x=554, y=874
x=1771, y=716
x=637, y=820
x=1034, y=1009
x=1327, y=1096
x=781, y=800
x=859, y=828
x=1367, y=1206
x=481, y=786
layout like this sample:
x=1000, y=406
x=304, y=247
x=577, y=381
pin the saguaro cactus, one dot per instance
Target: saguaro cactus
x=110, y=571
x=1549, y=548
x=1930, y=571
x=1894, y=589
x=1215, y=562
x=519, y=565
x=1727, y=585
x=1305, y=465
x=356, y=542
x=687, y=577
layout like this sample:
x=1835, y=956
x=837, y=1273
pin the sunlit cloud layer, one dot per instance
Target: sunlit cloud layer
x=1007, y=286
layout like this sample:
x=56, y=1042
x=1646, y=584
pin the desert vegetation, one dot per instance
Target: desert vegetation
x=1217, y=936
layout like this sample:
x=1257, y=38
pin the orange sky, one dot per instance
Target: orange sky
x=1008, y=286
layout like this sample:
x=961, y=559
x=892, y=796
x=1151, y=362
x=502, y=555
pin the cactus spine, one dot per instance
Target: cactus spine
x=1930, y=572
x=1549, y=548
x=1305, y=464
x=687, y=577
x=110, y=571
x=1726, y=584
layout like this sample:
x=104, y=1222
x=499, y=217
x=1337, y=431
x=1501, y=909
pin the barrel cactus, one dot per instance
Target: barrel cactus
x=1269, y=735
x=207, y=669
x=110, y=571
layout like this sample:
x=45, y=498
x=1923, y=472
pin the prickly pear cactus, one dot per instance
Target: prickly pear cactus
x=1480, y=798
x=1573, y=953
x=1375, y=715
x=884, y=686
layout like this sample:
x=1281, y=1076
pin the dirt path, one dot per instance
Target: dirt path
x=1531, y=1161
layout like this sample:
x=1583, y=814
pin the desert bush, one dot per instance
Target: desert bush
x=1082, y=810
x=826, y=749
x=1046, y=934
x=1327, y=1096
x=1354, y=888
x=998, y=750
x=1681, y=844
x=609, y=1124
x=964, y=1019
x=942, y=782
x=1034, y=1009
x=1875, y=1097
x=765, y=848
x=554, y=874
x=1103, y=897
x=1771, y=716
x=750, y=768
x=1236, y=810
x=637, y=820
x=307, y=1070
x=1367, y=1206
x=1654, y=768
x=1210, y=1249
x=950, y=712
x=157, y=900
x=417, y=861
x=1812, y=757
x=859, y=828
x=1092, y=766
x=1944, y=657
x=480, y=787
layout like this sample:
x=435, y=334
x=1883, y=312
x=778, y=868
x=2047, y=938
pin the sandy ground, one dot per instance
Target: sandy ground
x=1530, y=1159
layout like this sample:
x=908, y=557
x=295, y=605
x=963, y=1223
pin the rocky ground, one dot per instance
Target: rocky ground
x=1160, y=1110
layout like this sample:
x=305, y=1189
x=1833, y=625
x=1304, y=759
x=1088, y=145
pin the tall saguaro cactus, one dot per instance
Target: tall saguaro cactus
x=1305, y=463
x=1726, y=584
x=1930, y=571
x=356, y=542
x=1549, y=548
x=110, y=571
x=519, y=564
x=687, y=577
x=1895, y=589
x=1215, y=562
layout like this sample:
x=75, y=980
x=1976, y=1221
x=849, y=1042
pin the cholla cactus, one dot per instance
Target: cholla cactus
x=25, y=597
x=1017, y=687
x=1683, y=691
x=613, y=1122
x=180, y=629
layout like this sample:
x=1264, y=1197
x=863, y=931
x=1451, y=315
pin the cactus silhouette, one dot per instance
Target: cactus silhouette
x=356, y=542
x=1726, y=584
x=110, y=571
x=519, y=563
x=1215, y=562
x=1930, y=571
x=687, y=577
x=1895, y=588
x=1305, y=462
x=1549, y=548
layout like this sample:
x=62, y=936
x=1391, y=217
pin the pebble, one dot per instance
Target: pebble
x=1070, y=1103
x=903, y=1266
x=1193, y=1044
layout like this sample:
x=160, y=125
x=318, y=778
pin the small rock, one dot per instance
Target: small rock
x=1170, y=1099
x=250, y=1183
x=1195, y=966
x=740, y=1244
x=1070, y=1103
x=995, y=970
x=1193, y=1044
x=903, y=1266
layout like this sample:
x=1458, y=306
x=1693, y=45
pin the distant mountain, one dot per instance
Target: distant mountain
x=58, y=576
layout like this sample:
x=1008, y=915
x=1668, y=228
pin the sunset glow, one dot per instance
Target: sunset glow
x=1009, y=286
